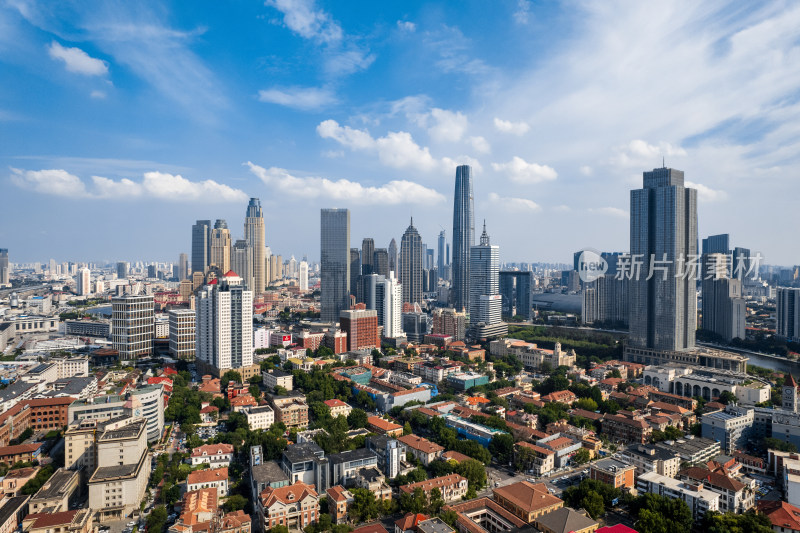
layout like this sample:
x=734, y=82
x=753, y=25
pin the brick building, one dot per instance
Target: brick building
x=361, y=326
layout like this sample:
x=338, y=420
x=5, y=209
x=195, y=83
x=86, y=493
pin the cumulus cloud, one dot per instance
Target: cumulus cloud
x=707, y=194
x=586, y=170
x=77, y=61
x=513, y=204
x=447, y=125
x=638, y=152
x=396, y=149
x=520, y=171
x=304, y=98
x=480, y=144
x=506, y=126
x=405, y=25
x=158, y=185
x=393, y=192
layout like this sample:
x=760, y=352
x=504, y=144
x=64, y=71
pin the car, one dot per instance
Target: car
x=131, y=524
x=584, y=472
x=530, y=480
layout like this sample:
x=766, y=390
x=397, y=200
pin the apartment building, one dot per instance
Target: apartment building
x=292, y=410
x=216, y=478
x=421, y=448
x=215, y=455
x=294, y=506
x=699, y=498
x=452, y=487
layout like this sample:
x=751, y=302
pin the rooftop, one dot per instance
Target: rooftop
x=528, y=496
x=565, y=520
x=268, y=472
x=207, y=476
x=57, y=485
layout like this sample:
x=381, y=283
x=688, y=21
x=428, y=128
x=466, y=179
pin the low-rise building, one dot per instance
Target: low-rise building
x=20, y=452
x=423, y=449
x=452, y=487
x=259, y=418
x=292, y=410
x=338, y=407
x=234, y=522
x=526, y=500
x=12, y=511
x=735, y=496
x=626, y=428
x=731, y=427
x=213, y=478
x=565, y=520
x=339, y=501
x=538, y=460
x=649, y=458
x=384, y=427
x=692, y=450
x=613, y=472
x=344, y=466
x=77, y=521
x=14, y=480
x=785, y=517
x=57, y=492
x=294, y=506
x=215, y=455
x=277, y=378
x=695, y=495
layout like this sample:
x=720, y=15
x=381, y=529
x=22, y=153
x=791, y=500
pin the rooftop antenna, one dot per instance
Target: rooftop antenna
x=663, y=163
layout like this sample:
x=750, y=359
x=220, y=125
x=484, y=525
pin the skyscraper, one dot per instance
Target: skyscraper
x=367, y=256
x=463, y=237
x=255, y=237
x=303, y=276
x=224, y=325
x=716, y=244
x=201, y=246
x=663, y=309
x=385, y=295
x=242, y=262
x=355, y=274
x=515, y=289
x=84, y=282
x=723, y=306
x=183, y=267
x=123, y=268
x=5, y=270
x=485, y=311
x=411, y=253
x=380, y=262
x=334, y=263
x=132, y=325
x=788, y=304
x=221, y=246
x=441, y=259
x=394, y=258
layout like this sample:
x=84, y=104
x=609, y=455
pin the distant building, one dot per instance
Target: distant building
x=788, y=319
x=448, y=321
x=224, y=328
x=133, y=326
x=411, y=258
x=515, y=289
x=361, y=327
x=485, y=301
x=527, y=501
x=182, y=339
x=334, y=263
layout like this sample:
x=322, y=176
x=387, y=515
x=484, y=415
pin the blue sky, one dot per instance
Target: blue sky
x=123, y=122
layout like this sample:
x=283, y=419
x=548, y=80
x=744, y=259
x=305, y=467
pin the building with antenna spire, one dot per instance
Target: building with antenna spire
x=411, y=253
x=485, y=301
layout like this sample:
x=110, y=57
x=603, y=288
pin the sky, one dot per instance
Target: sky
x=121, y=123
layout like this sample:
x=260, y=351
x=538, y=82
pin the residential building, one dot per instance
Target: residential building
x=724, y=308
x=77, y=521
x=539, y=460
x=421, y=448
x=147, y=402
x=216, y=478
x=626, y=428
x=390, y=453
x=259, y=418
x=361, y=326
x=132, y=323
x=48, y=413
x=730, y=427
x=692, y=450
x=699, y=499
x=788, y=313
x=649, y=458
x=334, y=263
x=384, y=427
x=338, y=407
x=182, y=340
x=485, y=301
x=277, y=378
x=292, y=410
x=215, y=455
x=448, y=321
x=306, y=463
x=463, y=238
x=10, y=455
x=613, y=472
x=734, y=496
x=527, y=501
x=57, y=493
x=294, y=506
x=199, y=509
x=452, y=487
x=12, y=512
x=339, y=501
x=785, y=517
x=15, y=479
x=345, y=466
x=566, y=520
x=220, y=246
x=84, y=282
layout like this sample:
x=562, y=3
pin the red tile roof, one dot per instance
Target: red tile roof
x=410, y=520
x=528, y=496
x=20, y=448
x=212, y=449
x=43, y=520
x=383, y=425
x=287, y=494
x=207, y=476
x=782, y=514
x=420, y=443
x=430, y=484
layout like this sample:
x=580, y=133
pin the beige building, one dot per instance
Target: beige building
x=338, y=407
x=182, y=333
x=292, y=410
x=77, y=521
x=216, y=478
x=16, y=479
x=531, y=355
x=527, y=501
x=259, y=418
x=119, y=482
x=57, y=492
x=294, y=506
x=452, y=487
x=221, y=246
x=277, y=378
x=421, y=448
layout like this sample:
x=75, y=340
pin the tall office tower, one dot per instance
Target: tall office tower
x=242, y=263
x=5, y=270
x=334, y=263
x=201, y=246
x=740, y=267
x=255, y=237
x=411, y=264
x=302, y=275
x=788, y=304
x=183, y=267
x=84, y=282
x=380, y=262
x=394, y=258
x=441, y=259
x=367, y=256
x=291, y=268
x=123, y=269
x=716, y=244
x=463, y=237
x=132, y=325
x=182, y=338
x=448, y=321
x=224, y=325
x=430, y=264
x=355, y=274
x=485, y=311
x=51, y=267
x=152, y=271
x=221, y=246
x=605, y=301
x=515, y=289
x=663, y=309
x=723, y=306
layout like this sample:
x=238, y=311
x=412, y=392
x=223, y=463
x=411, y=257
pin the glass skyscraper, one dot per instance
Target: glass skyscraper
x=334, y=263
x=441, y=255
x=201, y=246
x=485, y=309
x=255, y=237
x=411, y=252
x=463, y=237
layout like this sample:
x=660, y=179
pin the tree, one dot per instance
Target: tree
x=414, y=502
x=157, y=520
x=736, y=523
x=727, y=397
x=594, y=504
x=276, y=529
x=407, y=429
x=437, y=502
x=230, y=375
x=582, y=456
x=771, y=443
x=364, y=507
x=279, y=391
x=357, y=419
x=586, y=404
x=615, y=373
x=235, y=502
x=659, y=514
x=502, y=447
x=474, y=471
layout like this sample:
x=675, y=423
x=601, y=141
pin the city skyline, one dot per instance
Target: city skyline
x=294, y=120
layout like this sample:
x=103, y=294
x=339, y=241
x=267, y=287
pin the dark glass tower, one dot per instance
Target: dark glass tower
x=411, y=264
x=334, y=263
x=463, y=237
x=367, y=252
x=201, y=245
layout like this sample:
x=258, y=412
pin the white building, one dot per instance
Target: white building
x=699, y=499
x=485, y=301
x=206, y=479
x=132, y=325
x=182, y=333
x=161, y=328
x=215, y=455
x=225, y=324
x=259, y=418
x=390, y=306
x=277, y=378
x=84, y=282
x=303, y=276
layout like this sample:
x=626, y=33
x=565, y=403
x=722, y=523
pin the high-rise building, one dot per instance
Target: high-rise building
x=385, y=295
x=380, y=262
x=132, y=325
x=5, y=269
x=716, y=244
x=441, y=259
x=605, y=301
x=741, y=265
x=152, y=271
x=302, y=275
x=430, y=263
x=411, y=252
x=663, y=307
x=201, y=246
x=448, y=321
x=515, y=289
x=394, y=258
x=183, y=267
x=255, y=237
x=84, y=282
x=242, y=262
x=788, y=319
x=291, y=268
x=361, y=326
x=221, y=246
x=355, y=274
x=463, y=237
x=334, y=263
x=485, y=311
x=123, y=269
x=224, y=325
x=182, y=338
x=367, y=256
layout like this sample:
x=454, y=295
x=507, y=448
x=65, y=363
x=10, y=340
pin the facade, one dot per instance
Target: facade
x=361, y=326
x=255, y=238
x=182, y=339
x=214, y=478
x=385, y=295
x=132, y=323
x=220, y=246
x=463, y=238
x=84, y=282
x=699, y=499
x=613, y=472
x=452, y=487
x=259, y=418
x=302, y=276
x=485, y=301
x=294, y=506
x=215, y=455
x=201, y=246
x=515, y=288
x=448, y=321
x=527, y=501
x=788, y=308
x=277, y=378
x=292, y=410
x=334, y=263
x=730, y=427
x=723, y=303
x=421, y=448
x=663, y=308
x=649, y=458
x=411, y=254
x=224, y=330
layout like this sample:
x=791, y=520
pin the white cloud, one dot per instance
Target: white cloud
x=393, y=192
x=513, y=204
x=520, y=171
x=158, y=185
x=455, y=52
x=638, y=153
x=396, y=149
x=610, y=211
x=562, y=208
x=506, y=126
x=405, y=25
x=305, y=98
x=586, y=170
x=448, y=125
x=480, y=144
x=707, y=194
x=303, y=18
x=78, y=61
x=522, y=14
